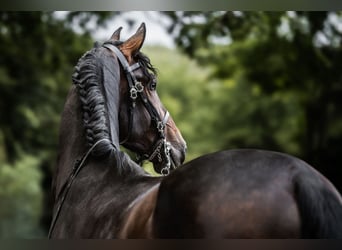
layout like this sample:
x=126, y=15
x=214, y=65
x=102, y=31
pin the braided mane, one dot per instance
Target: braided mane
x=95, y=78
x=88, y=78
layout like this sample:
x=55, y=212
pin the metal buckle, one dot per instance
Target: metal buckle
x=165, y=171
x=160, y=126
x=133, y=93
x=139, y=87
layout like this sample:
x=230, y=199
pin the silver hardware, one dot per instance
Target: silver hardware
x=165, y=171
x=133, y=93
x=158, y=153
x=160, y=126
x=167, y=154
x=139, y=87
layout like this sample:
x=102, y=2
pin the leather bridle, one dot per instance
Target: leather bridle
x=161, y=147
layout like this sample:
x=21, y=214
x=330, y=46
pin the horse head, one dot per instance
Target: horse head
x=145, y=125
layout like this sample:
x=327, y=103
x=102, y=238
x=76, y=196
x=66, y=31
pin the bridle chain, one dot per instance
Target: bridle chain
x=136, y=88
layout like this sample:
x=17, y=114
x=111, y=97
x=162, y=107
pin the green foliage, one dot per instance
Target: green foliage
x=36, y=65
x=208, y=111
x=250, y=79
x=21, y=197
x=38, y=53
x=292, y=59
x=186, y=91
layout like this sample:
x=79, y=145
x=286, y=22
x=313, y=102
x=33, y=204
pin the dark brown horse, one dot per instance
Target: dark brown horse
x=101, y=193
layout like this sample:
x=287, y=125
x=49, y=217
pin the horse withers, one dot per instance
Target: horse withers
x=101, y=193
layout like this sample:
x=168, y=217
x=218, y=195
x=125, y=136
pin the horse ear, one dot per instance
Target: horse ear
x=134, y=43
x=116, y=35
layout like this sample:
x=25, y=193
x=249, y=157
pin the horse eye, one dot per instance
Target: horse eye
x=153, y=84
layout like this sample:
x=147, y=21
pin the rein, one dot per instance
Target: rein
x=136, y=89
x=78, y=165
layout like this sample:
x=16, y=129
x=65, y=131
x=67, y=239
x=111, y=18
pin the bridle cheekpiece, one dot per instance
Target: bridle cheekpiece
x=136, y=89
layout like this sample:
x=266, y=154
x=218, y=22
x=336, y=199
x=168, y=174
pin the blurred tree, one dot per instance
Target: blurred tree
x=188, y=95
x=294, y=54
x=21, y=199
x=38, y=52
x=255, y=79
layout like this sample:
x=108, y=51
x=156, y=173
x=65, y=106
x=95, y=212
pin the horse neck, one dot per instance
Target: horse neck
x=74, y=140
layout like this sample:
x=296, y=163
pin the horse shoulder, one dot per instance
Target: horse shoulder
x=138, y=219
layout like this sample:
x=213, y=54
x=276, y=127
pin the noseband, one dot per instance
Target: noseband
x=161, y=147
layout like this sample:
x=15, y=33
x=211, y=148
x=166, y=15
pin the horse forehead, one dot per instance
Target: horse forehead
x=139, y=72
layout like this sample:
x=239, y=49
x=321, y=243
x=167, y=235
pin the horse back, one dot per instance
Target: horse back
x=233, y=194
